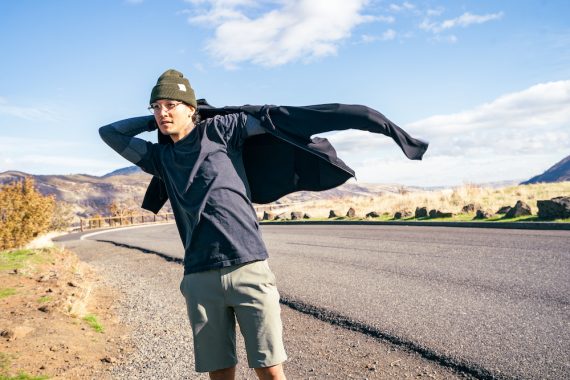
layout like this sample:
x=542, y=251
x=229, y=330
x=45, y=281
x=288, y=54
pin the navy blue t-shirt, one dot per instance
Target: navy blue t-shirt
x=208, y=189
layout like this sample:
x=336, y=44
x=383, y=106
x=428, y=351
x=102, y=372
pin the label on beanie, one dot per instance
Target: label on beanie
x=181, y=87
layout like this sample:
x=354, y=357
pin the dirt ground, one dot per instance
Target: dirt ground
x=56, y=317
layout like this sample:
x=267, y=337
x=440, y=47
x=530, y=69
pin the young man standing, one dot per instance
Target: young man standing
x=226, y=275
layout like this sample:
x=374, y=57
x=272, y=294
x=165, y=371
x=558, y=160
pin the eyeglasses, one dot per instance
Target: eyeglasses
x=156, y=108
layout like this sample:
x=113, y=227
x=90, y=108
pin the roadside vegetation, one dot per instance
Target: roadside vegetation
x=447, y=200
x=25, y=213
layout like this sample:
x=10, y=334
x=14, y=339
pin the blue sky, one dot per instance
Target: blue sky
x=486, y=82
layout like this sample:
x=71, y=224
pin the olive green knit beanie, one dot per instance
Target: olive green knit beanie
x=172, y=85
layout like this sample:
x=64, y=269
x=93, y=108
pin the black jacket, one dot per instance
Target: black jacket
x=286, y=159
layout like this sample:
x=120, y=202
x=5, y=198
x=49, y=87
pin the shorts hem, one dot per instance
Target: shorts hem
x=204, y=369
x=266, y=363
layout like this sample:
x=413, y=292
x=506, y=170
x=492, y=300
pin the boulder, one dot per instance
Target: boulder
x=520, y=209
x=403, y=214
x=481, y=214
x=282, y=216
x=504, y=210
x=351, y=213
x=440, y=214
x=555, y=208
x=268, y=215
x=372, y=214
x=334, y=213
x=306, y=216
x=421, y=212
x=296, y=215
x=470, y=208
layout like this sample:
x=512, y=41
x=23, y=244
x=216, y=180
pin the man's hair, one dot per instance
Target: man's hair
x=196, y=117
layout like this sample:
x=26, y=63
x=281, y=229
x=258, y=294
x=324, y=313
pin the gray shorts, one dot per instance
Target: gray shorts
x=216, y=298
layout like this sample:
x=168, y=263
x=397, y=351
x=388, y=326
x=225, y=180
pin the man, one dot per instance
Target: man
x=226, y=276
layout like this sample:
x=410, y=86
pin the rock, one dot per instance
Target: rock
x=45, y=308
x=296, y=215
x=440, y=214
x=471, y=207
x=306, y=216
x=403, y=214
x=282, y=216
x=16, y=333
x=372, y=214
x=72, y=284
x=421, y=212
x=555, y=208
x=520, y=209
x=8, y=334
x=482, y=214
x=268, y=215
x=504, y=210
x=109, y=359
x=351, y=213
x=334, y=214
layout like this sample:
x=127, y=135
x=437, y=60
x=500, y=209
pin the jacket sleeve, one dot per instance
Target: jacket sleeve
x=311, y=120
x=232, y=129
x=120, y=137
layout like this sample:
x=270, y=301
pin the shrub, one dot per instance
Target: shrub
x=24, y=213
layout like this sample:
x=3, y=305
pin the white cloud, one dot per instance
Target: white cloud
x=467, y=19
x=516, y=136
x=388, y=35
x=26, y=112
x=405, y=6
x=295, y=30
x=545, y=105
x=464, y=21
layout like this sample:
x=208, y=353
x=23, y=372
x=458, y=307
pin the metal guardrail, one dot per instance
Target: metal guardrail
x=121, y=221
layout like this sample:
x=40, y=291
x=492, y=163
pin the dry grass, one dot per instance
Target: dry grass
x=450, y=200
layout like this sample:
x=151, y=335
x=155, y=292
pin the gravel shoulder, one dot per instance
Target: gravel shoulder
x=160, y=344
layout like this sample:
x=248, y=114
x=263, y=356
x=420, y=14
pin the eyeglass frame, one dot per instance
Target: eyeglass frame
x=168, y=107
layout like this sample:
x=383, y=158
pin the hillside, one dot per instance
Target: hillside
x=90, y=195
x=558, y=173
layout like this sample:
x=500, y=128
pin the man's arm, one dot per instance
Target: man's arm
x=120, y=137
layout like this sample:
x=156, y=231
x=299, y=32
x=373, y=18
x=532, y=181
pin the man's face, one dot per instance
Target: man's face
x=173, y=118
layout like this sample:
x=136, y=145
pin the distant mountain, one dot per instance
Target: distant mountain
x=558, y=173
x=124, y=171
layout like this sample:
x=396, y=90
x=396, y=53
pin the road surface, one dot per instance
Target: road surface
x=492, y=303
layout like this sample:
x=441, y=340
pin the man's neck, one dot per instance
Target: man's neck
x=177, y=137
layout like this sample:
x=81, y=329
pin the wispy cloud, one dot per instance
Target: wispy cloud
x=26, y=112
x=388, y=35
x=294, y=30
x=405, y=6
x=465, y=20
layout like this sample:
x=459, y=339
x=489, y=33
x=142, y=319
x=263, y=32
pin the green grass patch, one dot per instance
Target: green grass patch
x=21, y=258
x=93, y=323
x=44, y=299
x=23, y=376
x=10, y=260
x=7, y=292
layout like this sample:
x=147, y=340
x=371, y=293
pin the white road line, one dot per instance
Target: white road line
x=122, y=228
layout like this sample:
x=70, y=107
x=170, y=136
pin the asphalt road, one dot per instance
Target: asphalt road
x=494, y=303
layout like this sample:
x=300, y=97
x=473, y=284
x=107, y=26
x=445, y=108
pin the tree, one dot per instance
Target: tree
x=24, y=213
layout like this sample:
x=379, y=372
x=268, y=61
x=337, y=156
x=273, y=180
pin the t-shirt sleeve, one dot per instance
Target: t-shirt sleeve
x=120, y=137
